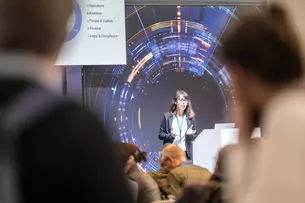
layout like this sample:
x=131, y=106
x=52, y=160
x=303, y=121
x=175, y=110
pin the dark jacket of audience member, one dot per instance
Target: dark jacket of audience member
x=63, y=156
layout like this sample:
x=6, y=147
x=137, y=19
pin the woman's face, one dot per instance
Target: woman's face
x=181, y=103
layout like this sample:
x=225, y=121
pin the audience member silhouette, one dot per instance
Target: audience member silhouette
x=59, y=153
x=182, y=170
x=148, y=188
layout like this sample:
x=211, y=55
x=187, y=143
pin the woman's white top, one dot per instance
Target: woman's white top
x=180, y=124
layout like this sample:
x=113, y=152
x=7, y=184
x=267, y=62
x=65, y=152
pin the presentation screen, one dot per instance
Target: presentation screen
x=168, y=48
x=96, y=34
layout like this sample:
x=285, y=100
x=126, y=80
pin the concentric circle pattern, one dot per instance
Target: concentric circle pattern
x=168, y=48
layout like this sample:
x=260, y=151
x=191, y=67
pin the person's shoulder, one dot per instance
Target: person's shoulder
x=133, y=187
x=152, y=174
x=188, y=167
x=151, y=184
x=158, y=174
x=132, y=183
x=167, y=114
x=69, y=117
x=75, y=112
x=179, y=173
x=205, y=171
x=199, y=168
x=285, y=111
x=286, y=103
x=148, y=187
x=59, y=106
x=146, y=180
x=179, y=169
x=192, y=117
x=146, y=176
x=72, y=107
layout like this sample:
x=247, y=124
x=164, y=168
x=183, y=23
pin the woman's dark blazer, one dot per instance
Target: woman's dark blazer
x=165, y=132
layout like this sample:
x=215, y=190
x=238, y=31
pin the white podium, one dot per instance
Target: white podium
x=210, y=141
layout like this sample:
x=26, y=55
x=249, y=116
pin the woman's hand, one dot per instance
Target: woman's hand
x=190, y=131
x=173, y=134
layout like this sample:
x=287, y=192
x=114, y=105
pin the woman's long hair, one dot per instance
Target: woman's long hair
x=189, y=112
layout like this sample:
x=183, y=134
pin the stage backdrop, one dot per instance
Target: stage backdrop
x=168, y=48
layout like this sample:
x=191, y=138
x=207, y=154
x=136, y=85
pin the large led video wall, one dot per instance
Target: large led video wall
x=168, y=48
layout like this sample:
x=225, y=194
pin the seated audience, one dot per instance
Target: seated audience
x=148, y=189
x=214, y=190
x=122, y=157
x=182, y=169
x=161, y=175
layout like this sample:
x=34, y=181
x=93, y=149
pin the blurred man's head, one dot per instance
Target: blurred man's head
x=258, y=53
x=161, y=159
x=34, y=26
x=172, y=156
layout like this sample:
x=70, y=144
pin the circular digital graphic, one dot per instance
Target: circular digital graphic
x=168, y=48
x=75, y=22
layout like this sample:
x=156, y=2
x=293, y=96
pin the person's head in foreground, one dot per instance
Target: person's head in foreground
x=34, y=30
x=172, y=156
x=34, y=26
x=263, y=57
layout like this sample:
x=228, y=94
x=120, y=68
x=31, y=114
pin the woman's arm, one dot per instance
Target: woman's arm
x=194, y=123
x=192, y=136
x=163, y=135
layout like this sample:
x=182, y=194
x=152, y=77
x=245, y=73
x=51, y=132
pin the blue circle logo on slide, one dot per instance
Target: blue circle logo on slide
x=77, y=24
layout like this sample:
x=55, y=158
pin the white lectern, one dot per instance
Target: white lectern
x=210, y=141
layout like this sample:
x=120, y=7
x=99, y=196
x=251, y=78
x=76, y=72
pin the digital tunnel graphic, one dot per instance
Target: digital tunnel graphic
x=168, y=48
